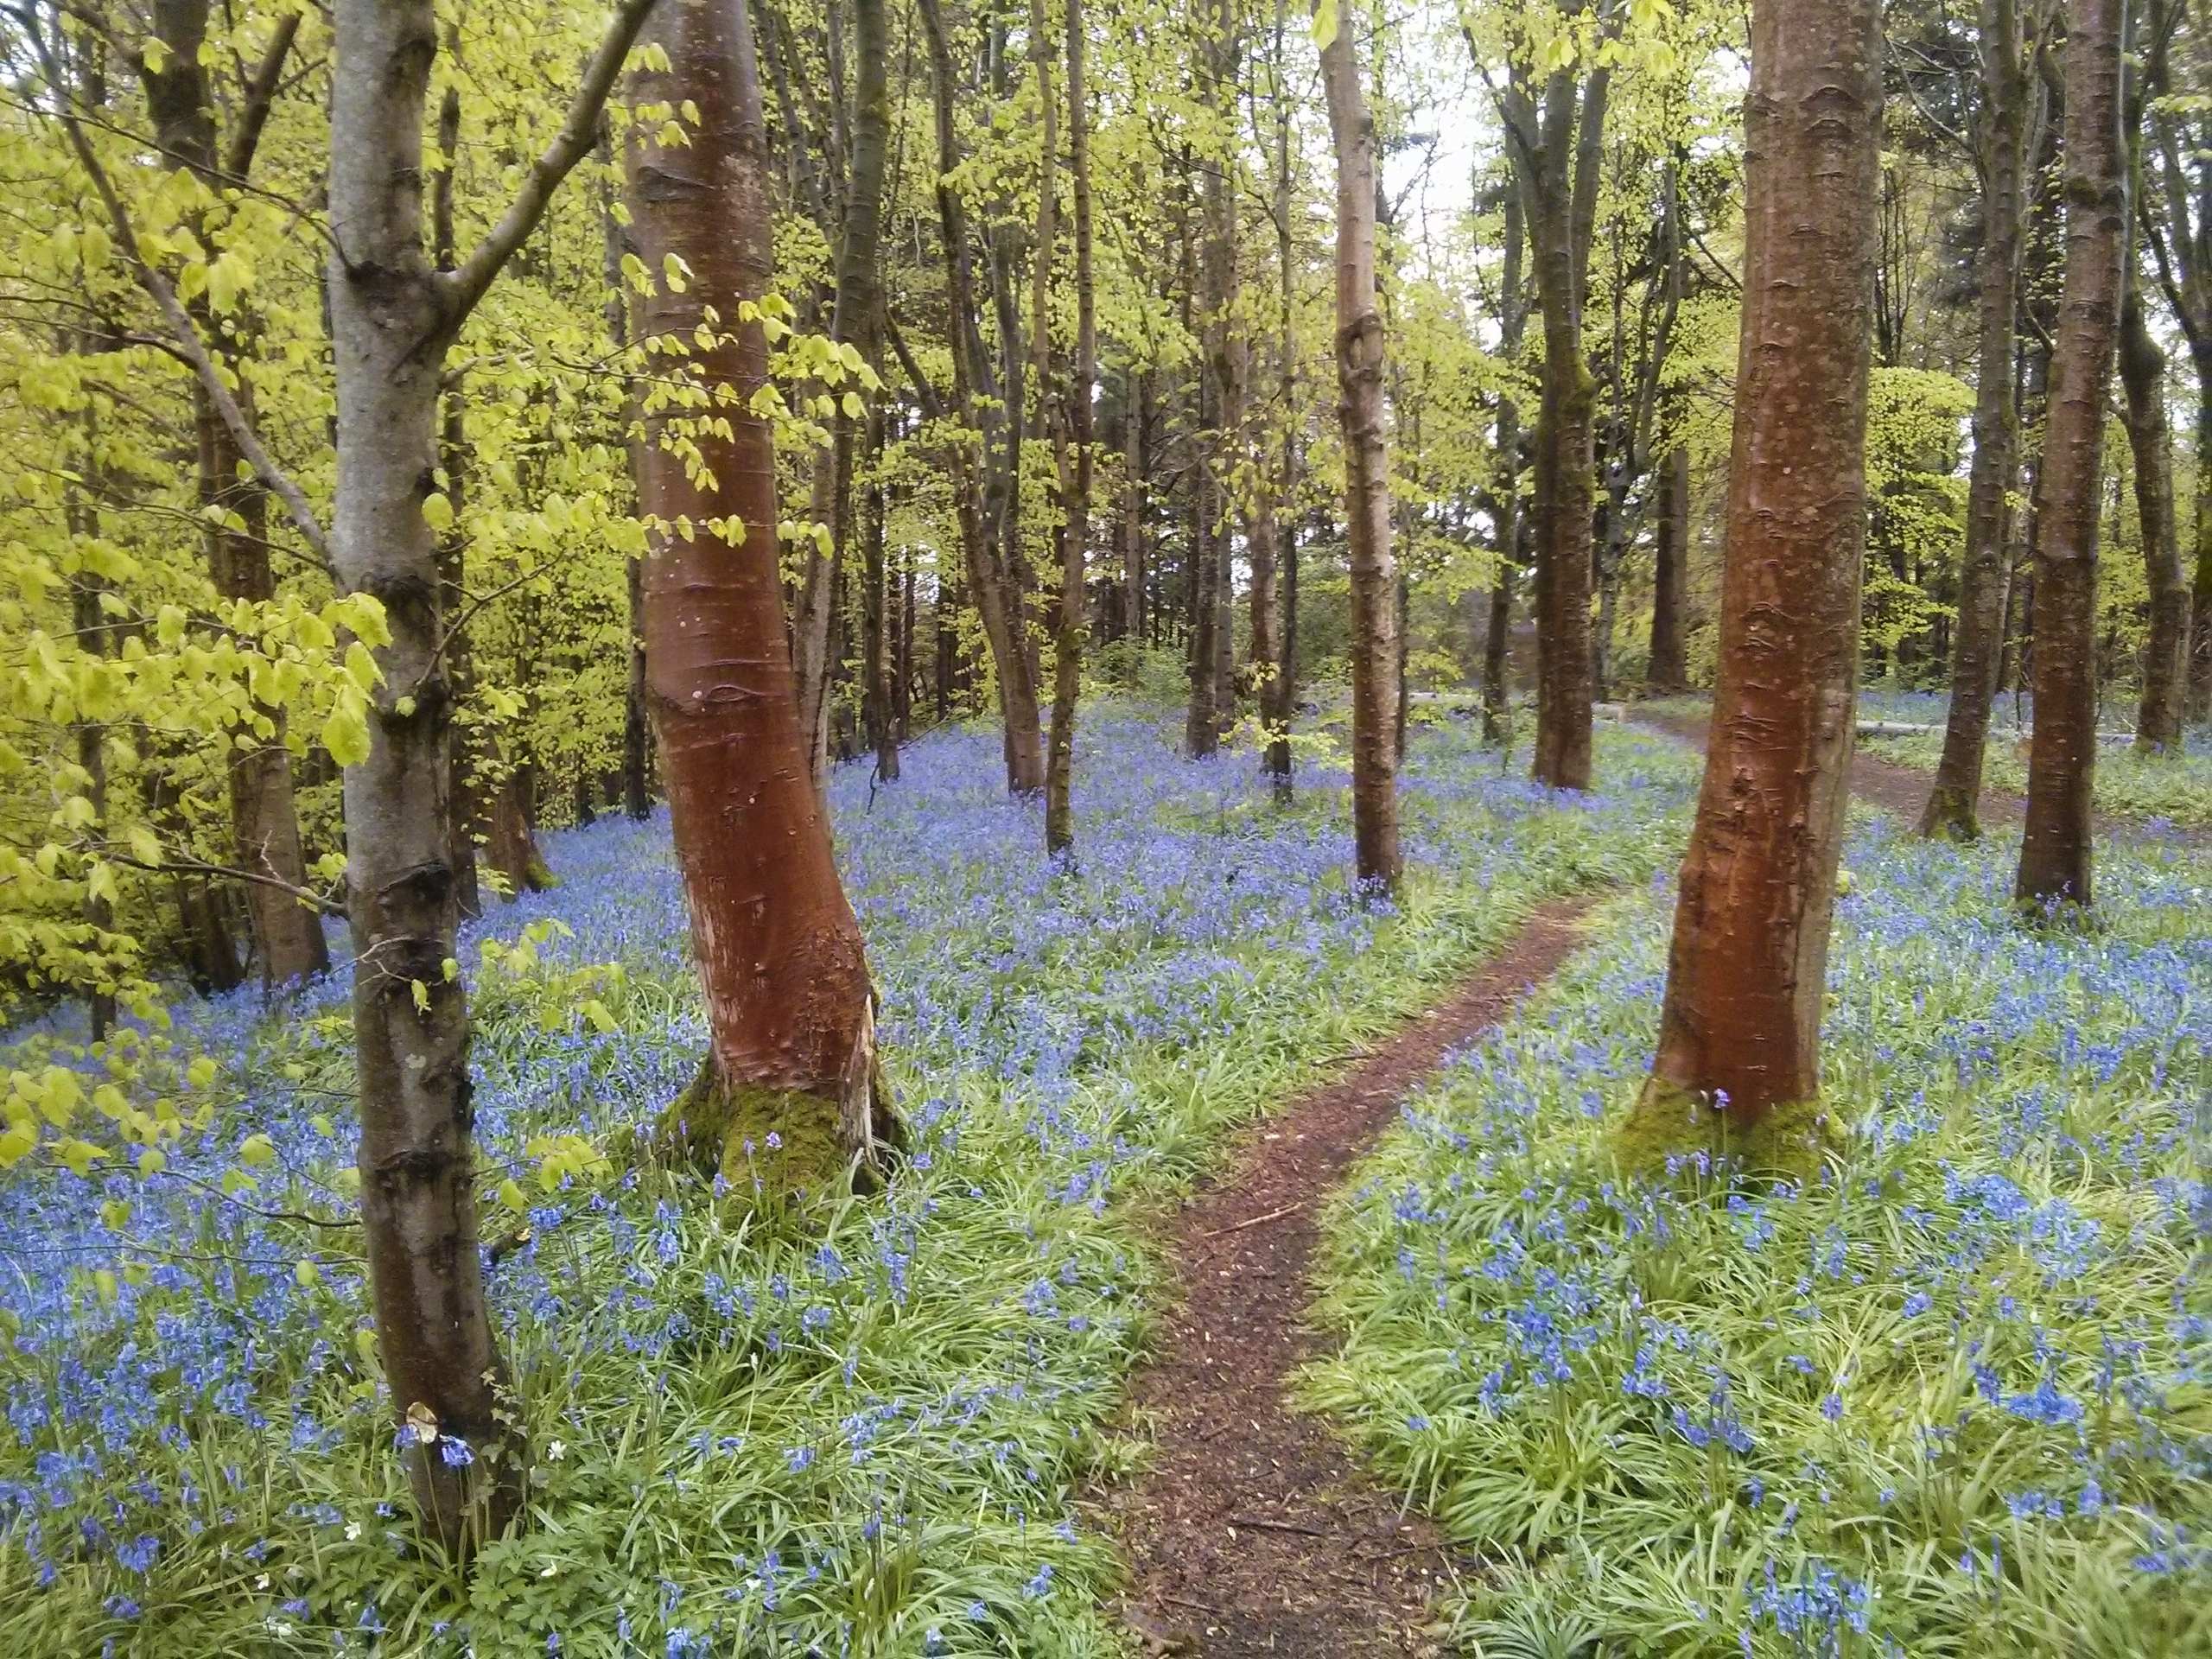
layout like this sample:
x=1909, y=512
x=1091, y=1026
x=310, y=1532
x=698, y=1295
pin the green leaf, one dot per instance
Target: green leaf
x=1326, y=24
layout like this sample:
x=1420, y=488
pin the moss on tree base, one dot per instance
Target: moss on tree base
x=1668, y=1121
x=1950, y=814
x=759, y=1140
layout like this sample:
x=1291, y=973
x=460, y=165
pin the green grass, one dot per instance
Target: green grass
x=2175, y=787
x=855, y=1428
x=1949, y=1400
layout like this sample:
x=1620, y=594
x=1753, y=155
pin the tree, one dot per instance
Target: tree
x=391, y=319
x=2178, y=218
x=792, y=1051
x=992, y=582
x=1737, y=1060
x=1075, y=470
x=264, y=821
x=2143, y=381
x=2006, y=134
x=1360, y=359
x=1556, y=150
x=2054, y=849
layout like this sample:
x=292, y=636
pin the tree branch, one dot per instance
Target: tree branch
x=271, y=476
x=260, y=96
x=579, y=130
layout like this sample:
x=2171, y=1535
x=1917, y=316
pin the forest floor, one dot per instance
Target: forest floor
x=1252, y=1532
x=2168, y=797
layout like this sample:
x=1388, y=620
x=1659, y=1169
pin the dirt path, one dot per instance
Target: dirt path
x=1253, y=1531
x=1902, y=792
x=1895, y=789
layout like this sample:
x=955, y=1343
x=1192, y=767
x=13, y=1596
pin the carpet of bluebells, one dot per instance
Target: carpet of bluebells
x=853, y=1431
x=1952, y=1398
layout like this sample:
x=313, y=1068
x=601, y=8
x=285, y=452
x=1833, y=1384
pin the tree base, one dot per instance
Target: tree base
x=1950, y=815
x=762, y=1140
x=1670, y=1123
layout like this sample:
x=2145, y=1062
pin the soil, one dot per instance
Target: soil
x=1253, y=1531
x=1903, y=791
x=1895, y=789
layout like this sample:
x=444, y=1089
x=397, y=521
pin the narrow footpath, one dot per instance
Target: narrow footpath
x=1902, y=791
x=1253, y=1531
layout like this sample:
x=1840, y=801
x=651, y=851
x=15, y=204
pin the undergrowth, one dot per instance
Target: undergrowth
x=1948, y=1399
x=851, y=1430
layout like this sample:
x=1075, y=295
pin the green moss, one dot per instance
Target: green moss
x=1669, y=1122
x=714, y=1127
x=1950, y=815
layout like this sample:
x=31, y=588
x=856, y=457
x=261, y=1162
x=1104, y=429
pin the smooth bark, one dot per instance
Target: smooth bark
x=1075, y=467
x=2011, y=94
x=790, y=1007
x=1737, y=1059
x=1360, y=360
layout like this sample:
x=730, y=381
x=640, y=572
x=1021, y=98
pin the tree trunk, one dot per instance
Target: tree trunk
x=2054, y=850
x=1075, y=535
x=1359, y=345
x=2143, y=378
x=2009, y=87
x=1275, y=556
x=993, y=588
x=1202, y=723
x=1737, y=1061
x=1557, y=160
x=792, y=1051
x=1667, y=673
x=2199, y=697
x=1513, y=314
x=390, y=322
x=265, y=820
x=880, y=648
x=1134, y=484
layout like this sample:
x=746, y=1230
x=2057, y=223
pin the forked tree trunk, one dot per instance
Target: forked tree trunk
x=790, y=1008
x=1075, y=473
x=1557, y=155
x=1738, y=1062
x=2054, y=850
x=1366, y=481
x=2010, y=92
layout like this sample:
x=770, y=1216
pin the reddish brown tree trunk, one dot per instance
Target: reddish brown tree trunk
x=2054, y=850
x=1360, y=358
x=2009, y=92
x=790, y=1007
x=1738, y=1062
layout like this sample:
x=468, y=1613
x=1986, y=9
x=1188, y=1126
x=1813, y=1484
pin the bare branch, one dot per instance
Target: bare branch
x=260, y=96
x=579, y=132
